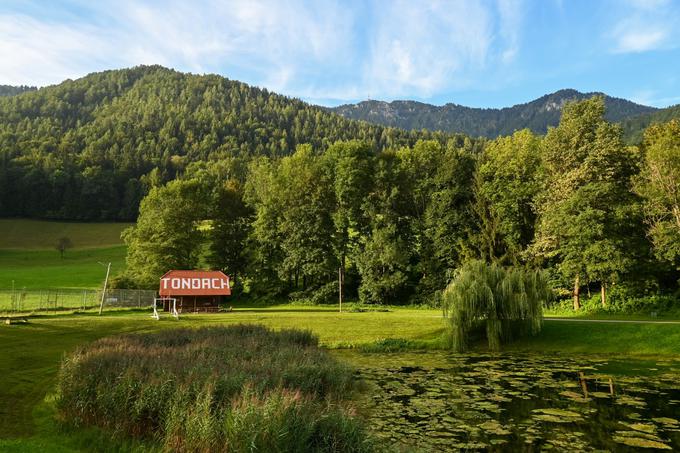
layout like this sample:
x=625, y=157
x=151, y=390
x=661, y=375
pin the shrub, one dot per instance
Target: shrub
x=507, y=302
x=238, y=388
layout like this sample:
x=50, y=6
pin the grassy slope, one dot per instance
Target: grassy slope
x=28, y=256
x=39, y=269
x=40, y=234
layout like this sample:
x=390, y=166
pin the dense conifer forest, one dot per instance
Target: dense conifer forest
x=90, y=149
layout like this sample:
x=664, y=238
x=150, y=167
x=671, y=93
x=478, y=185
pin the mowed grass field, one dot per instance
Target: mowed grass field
x=31, y=353
x=29, y=258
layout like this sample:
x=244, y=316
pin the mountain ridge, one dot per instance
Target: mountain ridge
x=536, y=115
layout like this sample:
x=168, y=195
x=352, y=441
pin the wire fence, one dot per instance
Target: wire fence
x=55, y=300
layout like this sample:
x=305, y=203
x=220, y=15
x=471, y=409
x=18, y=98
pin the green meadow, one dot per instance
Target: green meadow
x=32, y=352
x=40, y=269
x=28, y=256
x=42, y=234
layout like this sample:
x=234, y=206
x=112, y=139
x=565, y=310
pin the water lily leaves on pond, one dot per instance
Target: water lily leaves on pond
x=461, y=396
x=600, y=394
x=628, y=400
x=639, y=434
x=642, y=427
x=641, y=442
x=469, y=446
x=666, y=421
x=577, y=397
x=558, y=413
x=553, y=418
x=487, y=406
x=494, y=427
x=499, y=398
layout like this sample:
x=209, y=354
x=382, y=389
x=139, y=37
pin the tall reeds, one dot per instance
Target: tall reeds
x=238, y=388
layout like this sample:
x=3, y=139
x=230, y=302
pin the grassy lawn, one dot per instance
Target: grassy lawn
x=39, y=269
x=31, y=353
x=660, y=316
x=42, y=234
x=603, y=338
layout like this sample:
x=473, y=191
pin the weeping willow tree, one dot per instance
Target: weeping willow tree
x=506, y=302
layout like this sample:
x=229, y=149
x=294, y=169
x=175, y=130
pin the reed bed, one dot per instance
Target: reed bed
x=237, y=388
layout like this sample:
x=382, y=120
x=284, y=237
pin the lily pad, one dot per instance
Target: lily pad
x=641, y=442
x=666, y=421
x=558, y=413
x=600, y=394
x=493, y=427
x=630, y=401
x=577, y=397
x=644, y=427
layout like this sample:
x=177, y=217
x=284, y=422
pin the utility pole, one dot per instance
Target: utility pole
x=106, y=281
x=340, y=285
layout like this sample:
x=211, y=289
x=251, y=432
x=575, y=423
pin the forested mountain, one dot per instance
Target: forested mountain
x=91, y=148
x=634, y=127
x=9, y=90
x=536, y=115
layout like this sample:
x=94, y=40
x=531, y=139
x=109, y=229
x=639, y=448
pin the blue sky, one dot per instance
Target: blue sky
x=479, y=53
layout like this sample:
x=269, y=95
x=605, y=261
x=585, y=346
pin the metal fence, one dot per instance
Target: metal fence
x=54, y=300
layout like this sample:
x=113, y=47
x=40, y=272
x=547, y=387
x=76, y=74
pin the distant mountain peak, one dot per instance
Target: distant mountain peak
x=536, y=115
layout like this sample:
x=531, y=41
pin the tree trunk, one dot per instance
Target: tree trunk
x=603, y=294
x=577, y=299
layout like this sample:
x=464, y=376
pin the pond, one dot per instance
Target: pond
x=431, y=401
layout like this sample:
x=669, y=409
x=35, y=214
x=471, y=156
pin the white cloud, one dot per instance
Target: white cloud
x=651, y=97
x=421, y=47
x=640, y=40
x=510, y=25
x=41, y=53
x=644, y=25
x=263, y=37
x=648, y=4
x=323, y=49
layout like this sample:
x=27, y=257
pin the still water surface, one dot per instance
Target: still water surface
x=437, y=401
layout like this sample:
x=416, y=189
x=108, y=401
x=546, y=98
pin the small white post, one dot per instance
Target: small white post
x=155, y=315
x=106, y=281
x=174, y=309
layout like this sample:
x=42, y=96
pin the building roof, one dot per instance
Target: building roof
x=194, y=283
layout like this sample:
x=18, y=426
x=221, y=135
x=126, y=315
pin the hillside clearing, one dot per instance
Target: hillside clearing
x=41, y=269
x=42, y=234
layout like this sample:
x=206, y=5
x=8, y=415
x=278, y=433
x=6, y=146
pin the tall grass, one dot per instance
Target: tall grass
x=505, y=302
x=238, y=388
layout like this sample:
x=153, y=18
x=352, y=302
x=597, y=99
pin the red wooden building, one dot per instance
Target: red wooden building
x=194, y=291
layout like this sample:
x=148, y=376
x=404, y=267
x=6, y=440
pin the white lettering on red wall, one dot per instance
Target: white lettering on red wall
x=194, y=283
